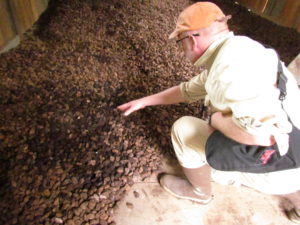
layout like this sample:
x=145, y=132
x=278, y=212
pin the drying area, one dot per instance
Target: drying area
x=67, y=156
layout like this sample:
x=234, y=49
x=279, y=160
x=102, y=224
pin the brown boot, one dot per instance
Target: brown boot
x=294, y=198
x=197, y=188
x=294, y=214
x=199, y=178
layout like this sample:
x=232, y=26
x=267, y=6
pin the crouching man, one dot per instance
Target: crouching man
x=252, y=137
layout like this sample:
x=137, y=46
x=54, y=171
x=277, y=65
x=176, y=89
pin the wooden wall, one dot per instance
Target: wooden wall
x=256, y=5
x=283, y=12
x=291, y=14
x=17, y=16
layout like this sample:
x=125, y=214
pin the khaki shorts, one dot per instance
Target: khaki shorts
x=189, y=136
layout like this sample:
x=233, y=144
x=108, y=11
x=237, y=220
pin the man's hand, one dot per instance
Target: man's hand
x=132, y=106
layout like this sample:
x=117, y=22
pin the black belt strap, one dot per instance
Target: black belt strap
x=281, y=81
x=281, y=78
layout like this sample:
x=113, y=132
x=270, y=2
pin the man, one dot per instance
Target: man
x=240, y=85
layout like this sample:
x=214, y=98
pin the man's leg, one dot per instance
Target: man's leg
x=189, y=135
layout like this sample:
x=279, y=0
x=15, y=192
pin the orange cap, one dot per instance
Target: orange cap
x=197, y=16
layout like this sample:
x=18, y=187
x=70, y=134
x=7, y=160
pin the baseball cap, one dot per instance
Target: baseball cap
x=196, y=16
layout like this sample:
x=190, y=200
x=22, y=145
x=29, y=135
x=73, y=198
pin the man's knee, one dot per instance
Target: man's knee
x=188, y=141
x=187, y=127
x=182, y=125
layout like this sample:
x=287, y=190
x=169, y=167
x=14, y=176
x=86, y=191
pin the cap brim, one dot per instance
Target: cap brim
x=173, y=34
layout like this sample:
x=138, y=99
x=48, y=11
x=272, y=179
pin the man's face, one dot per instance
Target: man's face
x=191, y=45
x=186, y=46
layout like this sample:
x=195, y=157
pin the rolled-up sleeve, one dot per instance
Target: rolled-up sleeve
x=194, y=89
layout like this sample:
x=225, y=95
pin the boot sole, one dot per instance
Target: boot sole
x=200, y=201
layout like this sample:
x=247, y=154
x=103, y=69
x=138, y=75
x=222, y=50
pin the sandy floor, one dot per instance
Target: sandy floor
x=147, y=203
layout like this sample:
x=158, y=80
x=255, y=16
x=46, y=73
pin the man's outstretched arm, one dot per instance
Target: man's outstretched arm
x=169, y=96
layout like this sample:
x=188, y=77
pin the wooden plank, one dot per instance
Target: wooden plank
x=261, y=5
x=282, y=12
x=297, y=19
x=26, y=12
x=7, y=28
x=34, y=9
x=285, y=13
x=37, y=7
x=17, y=16
x=23, y=15
x=275, y=8
x=255, y=5
x=41, y=5
x=290, y=13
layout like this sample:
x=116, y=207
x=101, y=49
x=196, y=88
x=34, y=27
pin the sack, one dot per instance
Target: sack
x=223, y=153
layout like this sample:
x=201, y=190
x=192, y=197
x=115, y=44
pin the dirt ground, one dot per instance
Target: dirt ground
x=67, y=156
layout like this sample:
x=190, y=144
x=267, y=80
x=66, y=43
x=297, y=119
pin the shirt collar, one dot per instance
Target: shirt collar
x=207, y=58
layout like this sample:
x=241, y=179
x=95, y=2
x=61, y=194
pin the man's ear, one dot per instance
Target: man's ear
x=194, y=42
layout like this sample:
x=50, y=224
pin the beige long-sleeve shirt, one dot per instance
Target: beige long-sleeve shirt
x=240, y=77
